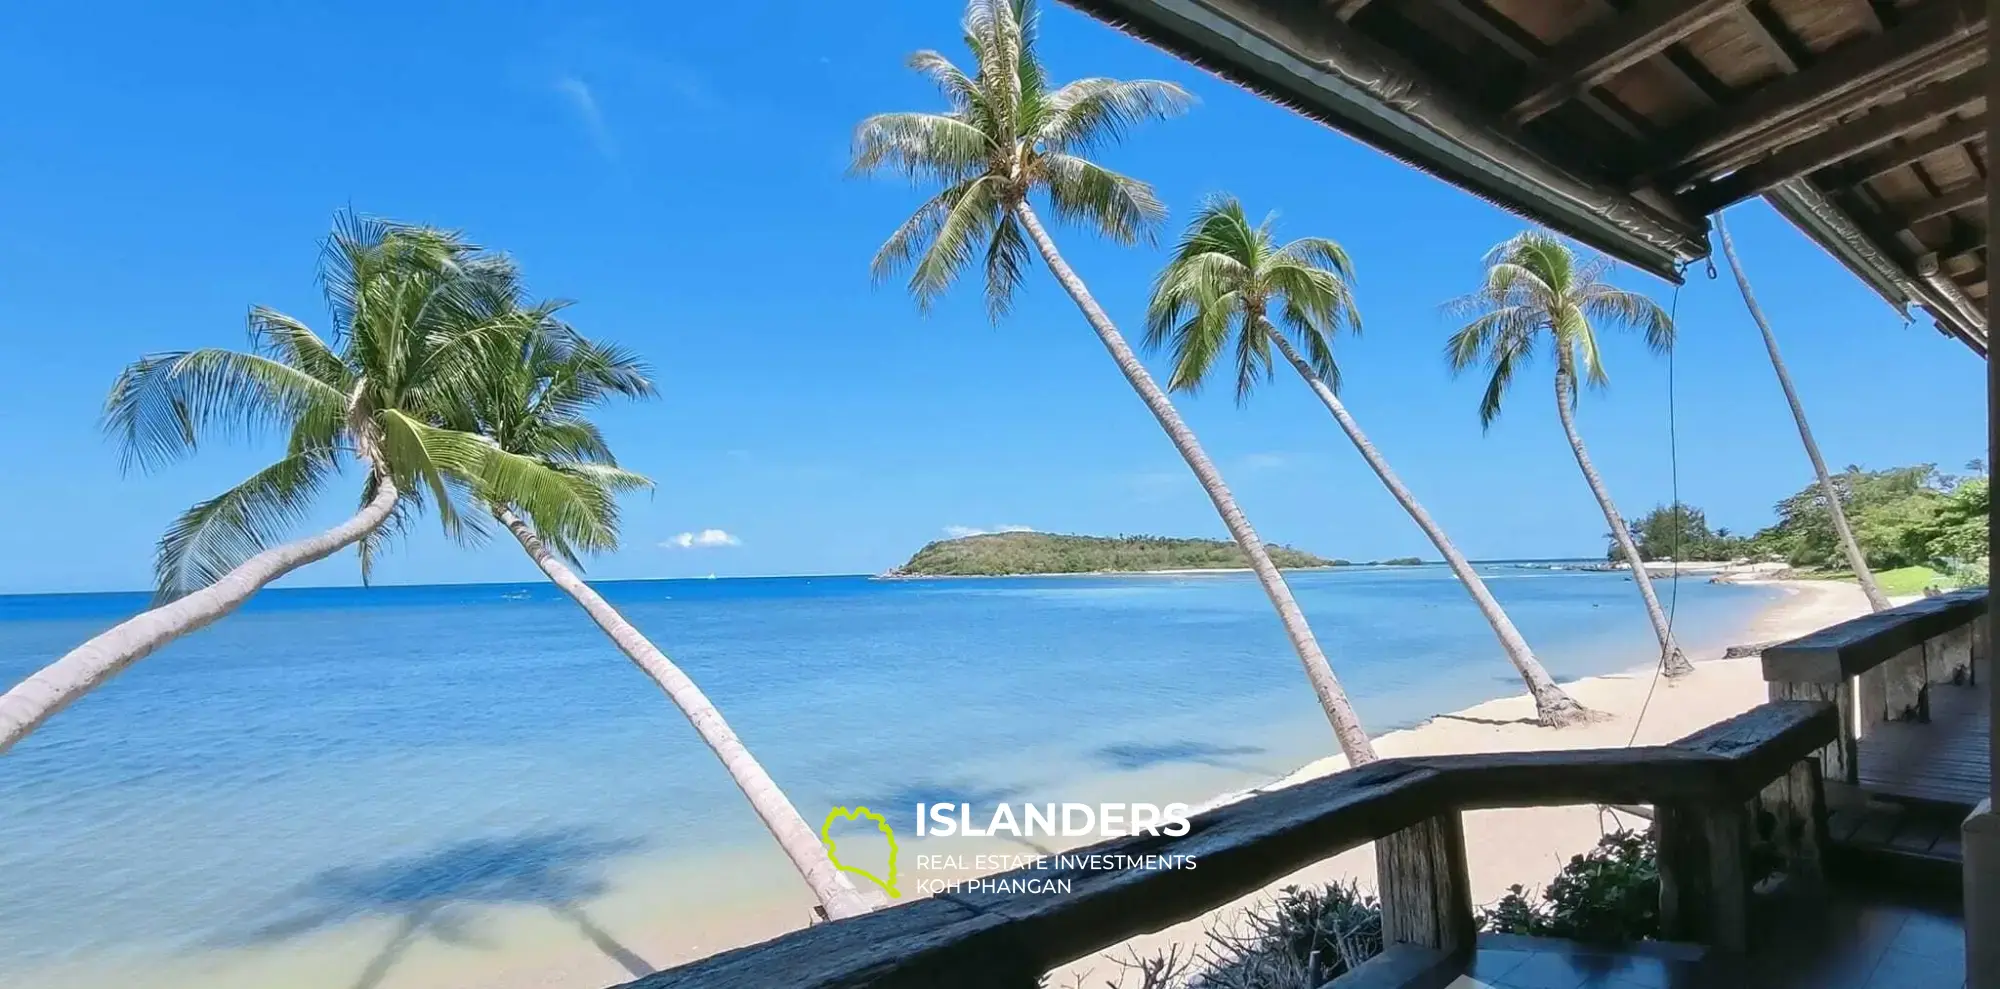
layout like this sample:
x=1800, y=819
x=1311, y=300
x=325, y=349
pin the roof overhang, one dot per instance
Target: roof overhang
x=1559, y=113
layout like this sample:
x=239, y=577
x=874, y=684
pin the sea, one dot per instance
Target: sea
x=426, y=787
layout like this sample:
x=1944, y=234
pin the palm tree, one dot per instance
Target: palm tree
x=532, y=403
x=1220, y=288
x=404, y=333
x=1007, y=134
x=1538, y=293
x=1876, y=599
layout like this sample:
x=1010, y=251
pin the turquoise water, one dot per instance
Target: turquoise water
x=329, y=757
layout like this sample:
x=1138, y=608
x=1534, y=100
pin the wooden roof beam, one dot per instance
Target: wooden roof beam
x=1954, y=199
x=1951, y=135
x=1768, y=29
x=1605, y=50
x=1842, y=141
x=1937, y=37
x=1524, y=47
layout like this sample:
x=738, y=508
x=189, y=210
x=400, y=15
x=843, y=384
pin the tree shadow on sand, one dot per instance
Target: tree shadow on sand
x=437, y=894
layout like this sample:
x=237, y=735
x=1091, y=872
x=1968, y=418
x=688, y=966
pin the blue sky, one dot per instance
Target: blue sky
x=679, y=171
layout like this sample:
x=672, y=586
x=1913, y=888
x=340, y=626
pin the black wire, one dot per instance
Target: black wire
x=1674, y=472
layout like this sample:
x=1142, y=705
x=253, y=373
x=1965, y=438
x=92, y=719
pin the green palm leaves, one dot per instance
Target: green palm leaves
x=1536, y=290
x=547, y=460
x=1003, y=136
x=1219, y=290
x=421, y=321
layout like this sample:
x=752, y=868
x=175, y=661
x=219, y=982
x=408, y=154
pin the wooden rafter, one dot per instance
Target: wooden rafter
x=1952, y=200
x=1814, y=153
x=1938, y=38
x=1518, y=44
x=1613, y=46
x=1764, y=25
x=1951, y=135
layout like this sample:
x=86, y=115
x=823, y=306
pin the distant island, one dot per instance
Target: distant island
x=1399, y=561
x=1000, y=554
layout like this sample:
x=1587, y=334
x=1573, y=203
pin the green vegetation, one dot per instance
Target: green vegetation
x=1910, y=580
x=1398, y=561
x=1917, y=527
x=1680, y=532
x=1608, y=895
x=1903, y=517
x=1001, y=553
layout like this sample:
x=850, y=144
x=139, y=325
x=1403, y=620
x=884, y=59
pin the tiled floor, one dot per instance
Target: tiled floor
x=1854, y=943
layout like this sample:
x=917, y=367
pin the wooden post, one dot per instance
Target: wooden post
x=1871, y=699
x=1838, y=760
x=1906, y=686
x=1704, y=878
x=1426, y=896
x=1948, y=658
x=1795, y=807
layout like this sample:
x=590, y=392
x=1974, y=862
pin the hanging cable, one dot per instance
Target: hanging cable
x=1676, y=514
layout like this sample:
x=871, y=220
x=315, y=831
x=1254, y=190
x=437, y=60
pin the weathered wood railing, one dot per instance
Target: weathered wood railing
x=1714, y=791
x=1880, y=667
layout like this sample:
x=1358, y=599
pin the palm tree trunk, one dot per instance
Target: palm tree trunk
x=1675, y=662
x=837, y=896
x=83, y=669
x=1332, y=697
x=1555, y=708
x=1876, y=599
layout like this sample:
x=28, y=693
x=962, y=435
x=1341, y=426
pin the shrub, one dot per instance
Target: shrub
x=1305, y=937
x=1610, y=894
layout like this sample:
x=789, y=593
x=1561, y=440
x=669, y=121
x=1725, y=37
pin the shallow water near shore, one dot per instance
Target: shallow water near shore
x=425, y=786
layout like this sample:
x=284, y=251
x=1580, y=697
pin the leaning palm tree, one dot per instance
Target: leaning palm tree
x=405, y=333
x=1876, y=599
x=1007, y=135
x=1219, y=292
x=533, y=404
x=1537, y=293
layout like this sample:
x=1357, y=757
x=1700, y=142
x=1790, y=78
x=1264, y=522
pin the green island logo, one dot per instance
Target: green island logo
x=858, y=813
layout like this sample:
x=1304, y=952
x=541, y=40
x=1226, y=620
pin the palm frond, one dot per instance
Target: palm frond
x=1090, y=114
x=1253, y=350
x=217, y=535
x=958, y=88
x=1608, y=306
x=1082, y=191
x=162, y=406
x=955, y=241
x=921, y=146
x=1007, y=256
x=422, y=456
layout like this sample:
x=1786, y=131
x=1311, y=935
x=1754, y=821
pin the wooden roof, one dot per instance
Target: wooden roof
x=1625, y=123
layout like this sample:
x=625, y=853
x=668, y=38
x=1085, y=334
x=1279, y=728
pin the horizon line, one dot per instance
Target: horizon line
x=636, y=580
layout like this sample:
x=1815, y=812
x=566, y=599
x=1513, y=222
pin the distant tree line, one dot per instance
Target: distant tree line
x=1902, y=517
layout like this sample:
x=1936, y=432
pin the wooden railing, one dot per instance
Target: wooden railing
x=1749, y=779
x=1880, y=667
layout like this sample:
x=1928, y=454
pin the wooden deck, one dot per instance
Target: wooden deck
x=1918, y=780
x=1942, y=762
x=1849, y=938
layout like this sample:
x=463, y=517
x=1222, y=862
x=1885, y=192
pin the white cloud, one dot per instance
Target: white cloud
x=705, y=539
x=584, y=102
x=1265, y=461
x=962, y=531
